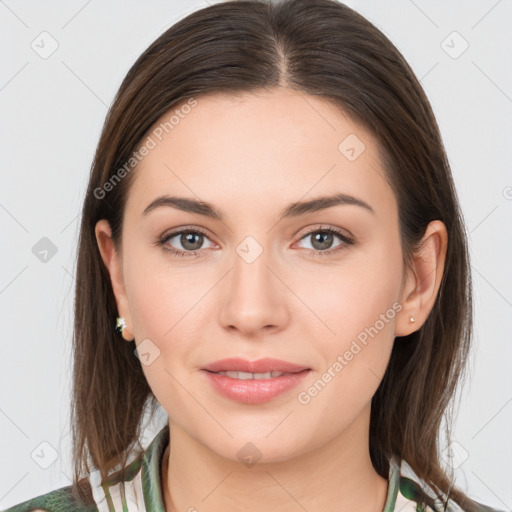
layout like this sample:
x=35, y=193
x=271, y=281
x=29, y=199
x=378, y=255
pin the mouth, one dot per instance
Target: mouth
x=254, y=387
x=267, y=368
x=254, y=376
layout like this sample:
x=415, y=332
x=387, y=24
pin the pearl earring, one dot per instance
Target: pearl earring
x=411, y=319
x=120, y=324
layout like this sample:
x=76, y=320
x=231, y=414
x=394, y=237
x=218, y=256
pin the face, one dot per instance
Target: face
x=256, y=283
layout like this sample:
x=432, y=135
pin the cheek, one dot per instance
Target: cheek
x=355, y=308
x=169, y=309
x=149, y=305
x=162, y=306
x=345, y=299
x=161, y=294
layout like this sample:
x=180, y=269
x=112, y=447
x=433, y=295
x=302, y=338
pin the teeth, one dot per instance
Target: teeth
x=248, y=376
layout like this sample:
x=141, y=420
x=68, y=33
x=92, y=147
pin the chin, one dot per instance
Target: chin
x=257, y=449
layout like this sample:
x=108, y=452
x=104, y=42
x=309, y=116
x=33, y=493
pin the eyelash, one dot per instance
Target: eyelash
x=347, y=241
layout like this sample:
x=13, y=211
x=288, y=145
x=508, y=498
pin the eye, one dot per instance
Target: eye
x=322, y=240
x=191, y=240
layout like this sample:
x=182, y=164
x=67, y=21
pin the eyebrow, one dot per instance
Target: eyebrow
x=292, y=210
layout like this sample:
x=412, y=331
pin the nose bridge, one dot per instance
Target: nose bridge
x=252, y=298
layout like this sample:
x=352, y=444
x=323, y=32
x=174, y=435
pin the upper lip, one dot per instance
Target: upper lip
x=260, y=366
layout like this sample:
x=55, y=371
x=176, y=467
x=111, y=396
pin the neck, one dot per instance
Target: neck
x=339, y=472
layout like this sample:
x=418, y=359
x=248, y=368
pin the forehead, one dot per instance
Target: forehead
x=260, y=149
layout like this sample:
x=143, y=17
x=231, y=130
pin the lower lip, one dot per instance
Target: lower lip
x=253, y=391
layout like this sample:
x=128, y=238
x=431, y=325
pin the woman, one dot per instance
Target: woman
x=272, y=228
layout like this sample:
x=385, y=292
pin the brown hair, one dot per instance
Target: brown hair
x=322, y=48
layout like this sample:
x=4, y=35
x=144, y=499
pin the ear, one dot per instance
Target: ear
x=423, y=280
x=112, y=260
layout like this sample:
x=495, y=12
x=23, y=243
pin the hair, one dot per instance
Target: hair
x=321, y=48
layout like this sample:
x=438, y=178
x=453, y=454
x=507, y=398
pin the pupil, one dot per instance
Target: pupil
x=322, y=237
x=189, y=238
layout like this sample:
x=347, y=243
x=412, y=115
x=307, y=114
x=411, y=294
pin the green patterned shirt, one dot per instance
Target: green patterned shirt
x=142, y=490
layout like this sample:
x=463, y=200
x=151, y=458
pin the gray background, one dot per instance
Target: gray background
x=52, y=110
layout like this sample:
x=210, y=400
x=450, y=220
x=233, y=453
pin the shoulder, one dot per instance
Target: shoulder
x=138, y=487
x=59, y=500
x=414, y=492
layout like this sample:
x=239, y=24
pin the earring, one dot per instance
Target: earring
x=120, y=324
x=411, y=319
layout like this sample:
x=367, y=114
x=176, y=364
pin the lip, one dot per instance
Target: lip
x=265, y=365
x=253, y=391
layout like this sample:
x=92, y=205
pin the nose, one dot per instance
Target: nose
x=254, y=299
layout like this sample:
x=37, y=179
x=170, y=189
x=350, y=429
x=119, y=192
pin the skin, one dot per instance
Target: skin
x=251, y=156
